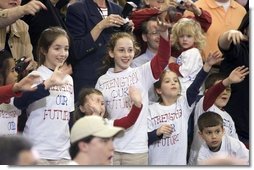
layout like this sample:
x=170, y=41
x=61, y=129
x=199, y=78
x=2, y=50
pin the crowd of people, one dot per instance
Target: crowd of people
x=139, y=82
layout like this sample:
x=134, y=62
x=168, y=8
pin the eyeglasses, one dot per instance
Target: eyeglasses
x=154, y=32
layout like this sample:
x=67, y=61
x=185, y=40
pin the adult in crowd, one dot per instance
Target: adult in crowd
x=14, y=35
x=91, y=23
x=92, y=141
x=42, y=20
x=234, y=45
x=226, y=15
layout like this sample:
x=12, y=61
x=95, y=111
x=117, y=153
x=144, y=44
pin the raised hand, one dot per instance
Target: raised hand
x=135, y=96
x=58, y=76
x=236, y=76
x=236, y=36
x=190, y=6
x=32, y=7
x=212, y=59
x=26, y=84
x=93, y=107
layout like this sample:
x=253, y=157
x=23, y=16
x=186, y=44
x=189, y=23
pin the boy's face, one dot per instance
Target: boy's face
x=212, y=136
x=222, y=100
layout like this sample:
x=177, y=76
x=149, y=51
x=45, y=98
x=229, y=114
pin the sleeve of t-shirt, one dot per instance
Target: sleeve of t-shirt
x=6, y=93
x=29, y=97
x=130, y=119
x=160, y=61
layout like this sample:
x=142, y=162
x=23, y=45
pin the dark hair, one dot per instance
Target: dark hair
x=212, y=78
x=11, y=147
x=157, y=84
x=109, y=62
x=144, y=29
x=4, y=65
x=74, y=148
x=47, y=37
x=209, y=119
x=82, y=99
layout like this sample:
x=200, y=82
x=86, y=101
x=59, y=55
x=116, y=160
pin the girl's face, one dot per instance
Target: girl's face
x=94, y=105
x=123, y=54
x=57, y=52
x=170, y=86
x=5, y=4
x=186, y=41
x=12, y=75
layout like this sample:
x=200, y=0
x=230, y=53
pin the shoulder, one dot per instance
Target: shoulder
x=20, y=25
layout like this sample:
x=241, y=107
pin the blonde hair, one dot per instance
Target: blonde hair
x=190, y=27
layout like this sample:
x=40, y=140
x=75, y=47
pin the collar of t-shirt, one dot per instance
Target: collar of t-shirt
x=225, y=5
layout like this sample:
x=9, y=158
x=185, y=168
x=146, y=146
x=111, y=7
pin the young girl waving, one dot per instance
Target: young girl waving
x=168, y=119
x=91, y=102
x=47, y=125
x=131, y=149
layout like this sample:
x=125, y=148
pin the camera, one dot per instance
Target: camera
x=128, y=7
x=21, y=65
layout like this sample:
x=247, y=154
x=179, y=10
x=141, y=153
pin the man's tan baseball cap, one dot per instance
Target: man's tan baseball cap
x=93, y=125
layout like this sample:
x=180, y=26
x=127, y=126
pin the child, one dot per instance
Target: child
x=168, y=119
x=47, y=125
x=217, y=143
x=131, y=149
x=9, y=113
x=91, y=102
x=8, y=77
x=217, y=94
x=188, y=38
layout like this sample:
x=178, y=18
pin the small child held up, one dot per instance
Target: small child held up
x=188, y=38
x=91, y=102
x=217, y=142
x=168, y=119
x=217, y=94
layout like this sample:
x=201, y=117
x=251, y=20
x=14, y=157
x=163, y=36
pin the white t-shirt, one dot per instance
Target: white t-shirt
x=143, y=58
x=47, y=125
x=169, y=150
x=115, y=89
x=140, y=60
x=9, y=118
x=229, y=147
x=190, y=62
x=228, y=124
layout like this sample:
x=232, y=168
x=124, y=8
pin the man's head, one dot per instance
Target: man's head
x=16, y=150
x=92, y=141
x=211, y=129
x=150, y=34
